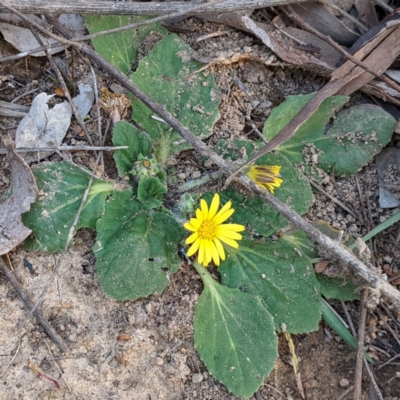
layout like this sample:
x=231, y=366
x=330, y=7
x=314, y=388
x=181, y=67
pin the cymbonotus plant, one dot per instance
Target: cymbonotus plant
x=267, y=281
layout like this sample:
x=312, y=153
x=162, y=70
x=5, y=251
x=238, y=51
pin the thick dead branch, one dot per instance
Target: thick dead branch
x=134, y=8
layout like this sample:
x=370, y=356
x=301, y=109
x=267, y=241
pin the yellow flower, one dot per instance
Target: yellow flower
x=209, y=231
x=265, y=176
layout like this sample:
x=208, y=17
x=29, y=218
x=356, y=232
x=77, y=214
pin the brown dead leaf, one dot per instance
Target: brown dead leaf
x=12, y=231
x=268, y=35
x=320, y=18
x=366, y=12
x=321, y=266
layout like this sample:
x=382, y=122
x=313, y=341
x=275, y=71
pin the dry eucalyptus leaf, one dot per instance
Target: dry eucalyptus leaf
x=43, y=127
x=24, y=40
x=320, y=18
x=12, y=231
x=388, y=167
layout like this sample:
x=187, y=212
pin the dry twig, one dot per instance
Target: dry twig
x=360, y=345
x=65, y=148
x=57, y=339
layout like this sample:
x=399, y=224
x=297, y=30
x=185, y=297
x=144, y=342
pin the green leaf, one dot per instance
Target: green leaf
x=285, y=281
x=325, y=228
x=295, y=191
x=356, y=135
x=336, y=288
x=136, y=249
x=121, y=48
x=235, y=149
x=125, y=134
x=61, y=187
x=300, y=243
x=150, y=192
x=331, y=288
x=311, y=131
x=234, y=335
x=169, y=75
x=260, y=217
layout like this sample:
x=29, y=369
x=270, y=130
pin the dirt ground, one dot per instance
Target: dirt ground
x=144, y=350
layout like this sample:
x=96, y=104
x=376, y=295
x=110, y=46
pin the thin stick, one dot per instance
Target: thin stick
x=373, y=380
x=65, y=148
x=360, y=345
x=330, y=4
x=338, y=202
x=196, y=8
x=57, y=339
x=382, y=365
x=12, y=360
x=58, y=367
x=344, y=394
x=349, y=320
x=64, y=86
x=384, y=6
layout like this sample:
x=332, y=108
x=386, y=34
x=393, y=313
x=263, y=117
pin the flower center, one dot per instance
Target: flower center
x=207, y=230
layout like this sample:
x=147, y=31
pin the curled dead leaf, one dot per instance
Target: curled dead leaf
x=12, y=231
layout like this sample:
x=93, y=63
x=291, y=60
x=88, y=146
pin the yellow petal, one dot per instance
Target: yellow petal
x=190, y=227
x=195, y=223
x=227, y=234
x=192, y=238
x=215, y=254
x=204, y=209
x=208, y=251
x=193, y=248
x=220, y=248
x=233, y=227
x=199, y=216
x=201, y=252
x=226, y=207
x=228, y=241
x=214, y=207
x=221, y=217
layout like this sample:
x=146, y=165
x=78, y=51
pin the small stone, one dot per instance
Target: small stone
x=159, y=361
x=196, y=174
x=344, y=382
x=197, y=378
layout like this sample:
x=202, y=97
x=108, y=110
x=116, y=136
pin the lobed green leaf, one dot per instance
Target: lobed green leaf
x=234, y=335
x=61, y=187
x=136, y=249
x=169, y=75
x=285, y=281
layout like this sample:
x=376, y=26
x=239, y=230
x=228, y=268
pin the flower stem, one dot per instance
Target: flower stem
x=204, y=274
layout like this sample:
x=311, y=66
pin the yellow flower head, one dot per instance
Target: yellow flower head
x=265, y=176
x=209, y=231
